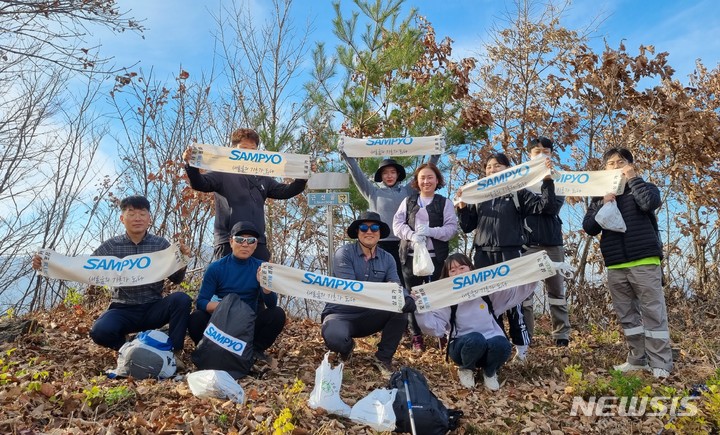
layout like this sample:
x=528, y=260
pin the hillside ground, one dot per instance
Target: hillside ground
x=52, y=381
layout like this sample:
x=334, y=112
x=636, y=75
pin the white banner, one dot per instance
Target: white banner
x=112, y=271
x=504, y=182
x=392, y=146
x=586, y=183
x=480, y=282
x=386, y=296
x=252, y=162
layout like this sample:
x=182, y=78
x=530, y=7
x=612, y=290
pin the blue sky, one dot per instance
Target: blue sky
x=180, y=31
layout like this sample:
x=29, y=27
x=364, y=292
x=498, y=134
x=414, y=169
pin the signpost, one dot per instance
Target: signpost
x=326, y=181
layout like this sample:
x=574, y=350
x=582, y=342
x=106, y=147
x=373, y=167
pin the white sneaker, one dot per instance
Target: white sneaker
x=491, y=382
x=627, y=367
x=467, y=378
x=520, y=354
x=660, y=373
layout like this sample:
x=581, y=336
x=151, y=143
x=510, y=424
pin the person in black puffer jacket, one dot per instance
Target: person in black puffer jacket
x=634, y=273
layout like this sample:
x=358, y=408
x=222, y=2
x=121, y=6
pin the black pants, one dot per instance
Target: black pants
x=110, y=328
x=339, y=329
x=518, y=331
x=412, y=281
x=261, y=252
x=393, y=248
x=269, y=324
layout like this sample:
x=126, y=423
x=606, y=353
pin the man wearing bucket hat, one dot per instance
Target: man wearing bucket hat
x=385, y=199
x=364, y=260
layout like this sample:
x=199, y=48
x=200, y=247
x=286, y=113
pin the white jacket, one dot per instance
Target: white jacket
x=474, y=316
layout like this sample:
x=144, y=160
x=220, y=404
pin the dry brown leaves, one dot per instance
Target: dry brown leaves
x=532, y=398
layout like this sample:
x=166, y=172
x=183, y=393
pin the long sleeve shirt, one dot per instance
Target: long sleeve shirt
x=445, y=232
x=233, y=275
x=350, y=263
x=381, y=199
x=240, y=197
x=122, y=246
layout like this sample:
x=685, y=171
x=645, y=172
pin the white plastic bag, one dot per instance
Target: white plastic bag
x=610, y=218
x=326, y=393
x=422, y=261
x=215, y=383
x=376, y=410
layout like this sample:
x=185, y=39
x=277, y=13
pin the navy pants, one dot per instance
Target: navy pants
x=119, y=320
x=339, y=329
x=473, y=350
x=269, y=323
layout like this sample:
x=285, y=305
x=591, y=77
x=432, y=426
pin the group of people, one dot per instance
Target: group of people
x=401, y=216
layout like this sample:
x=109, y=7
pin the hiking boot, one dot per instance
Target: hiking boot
x=418, y=344
x=385, y=367
x=260, y=355
x=627, y=367
x=562, y=342
x=467, y=378
x=659, y=373
x=179, y=364
x=491, y=382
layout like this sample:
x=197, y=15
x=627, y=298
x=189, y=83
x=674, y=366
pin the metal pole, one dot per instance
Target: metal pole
x=331, y=250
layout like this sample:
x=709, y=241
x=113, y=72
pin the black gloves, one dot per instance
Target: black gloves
x=409, y=306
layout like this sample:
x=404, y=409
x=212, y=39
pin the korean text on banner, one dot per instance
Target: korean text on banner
x=113, y=271
x=289, y=281
x=586, y=183
x=477, y=283
x=392, y=146
x=251, y=162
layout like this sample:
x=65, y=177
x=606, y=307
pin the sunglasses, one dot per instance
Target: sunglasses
x=248, y=240
x=374, y=228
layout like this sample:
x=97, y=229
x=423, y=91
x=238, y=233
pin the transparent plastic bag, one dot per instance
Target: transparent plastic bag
x=610, y=218
x=422, y=261
x=326, y=393
x=376, y=410
x=215, y=383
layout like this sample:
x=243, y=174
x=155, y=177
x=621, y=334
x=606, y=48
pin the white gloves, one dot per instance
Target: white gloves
x=416, y=238
x=422, y=230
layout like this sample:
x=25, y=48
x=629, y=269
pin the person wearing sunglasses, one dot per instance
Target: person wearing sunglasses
x=364, y=260
x=384, y=193
x=240, y=197
x=237, y=273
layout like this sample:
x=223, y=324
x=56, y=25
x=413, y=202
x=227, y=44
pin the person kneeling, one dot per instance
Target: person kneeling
x=237, y=273
x=365, y=261
x=476, y=340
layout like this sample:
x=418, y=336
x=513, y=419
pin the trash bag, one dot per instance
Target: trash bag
x=422, y=261
x=215, y=383
x=326, y=393
x=610, y=218
x=376, y=410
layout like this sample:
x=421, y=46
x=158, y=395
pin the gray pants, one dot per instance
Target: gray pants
x=639, y=301
x=555, y=288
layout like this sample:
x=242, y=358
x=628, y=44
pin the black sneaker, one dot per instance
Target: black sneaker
x=260, y=355
x=562, y=342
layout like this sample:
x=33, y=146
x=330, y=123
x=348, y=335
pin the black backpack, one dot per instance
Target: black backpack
x=227, y=342
x=430, y=415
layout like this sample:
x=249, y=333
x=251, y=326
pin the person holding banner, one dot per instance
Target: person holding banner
x=633, y=259
x=237, y=273
x=240, y=197
x=142, y=307
x=476, y=341
x=546, y=235
x=364, y=260
x=500, y=234
x=424, y=217
x=385, y=198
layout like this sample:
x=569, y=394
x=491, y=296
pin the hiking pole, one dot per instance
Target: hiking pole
x=409, y=404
